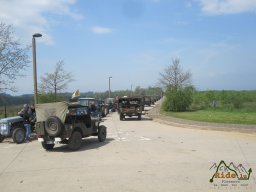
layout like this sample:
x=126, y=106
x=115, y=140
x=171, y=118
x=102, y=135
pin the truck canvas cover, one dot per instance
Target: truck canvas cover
x=58, y=109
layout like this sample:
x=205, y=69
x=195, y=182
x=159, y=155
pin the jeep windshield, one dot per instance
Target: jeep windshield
x=87, y=102
x=129, y=101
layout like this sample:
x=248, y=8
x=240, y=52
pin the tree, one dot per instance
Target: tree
x=179, y=100
x=57, y=81
x=179, y=93
x=13, y=58
x=174, y=77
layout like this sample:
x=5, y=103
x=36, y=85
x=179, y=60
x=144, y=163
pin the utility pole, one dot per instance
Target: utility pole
x=109, y=90
x=131, y=90
x=34, y=64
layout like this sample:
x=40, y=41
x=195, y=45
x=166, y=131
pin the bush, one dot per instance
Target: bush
x=227, y=100
x=49, y=98
x=199, y=101
x=179, y=100
x=236, y=100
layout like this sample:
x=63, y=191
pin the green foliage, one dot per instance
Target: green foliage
x=199, y=101
x=179, y=100
x=151, y=91
x=9, y=100
x=230, y=106
x=236, y=100
x=223, y=99
x=49, y=98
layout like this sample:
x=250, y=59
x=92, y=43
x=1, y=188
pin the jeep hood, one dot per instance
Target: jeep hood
x=11, y=119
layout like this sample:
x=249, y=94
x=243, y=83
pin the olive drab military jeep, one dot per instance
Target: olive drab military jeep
x=66, y=123
x=130, y=106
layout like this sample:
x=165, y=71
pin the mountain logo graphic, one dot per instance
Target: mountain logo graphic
x=231, y=171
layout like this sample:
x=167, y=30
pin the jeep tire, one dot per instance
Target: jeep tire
x=47, y=147
x=53, y=126
x=1, y=138
x=139, y=116
x=121, y=117
x=75, y=141
x=102, y=133
x=18, y=135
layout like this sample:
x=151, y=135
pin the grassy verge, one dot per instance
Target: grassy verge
x=217, y=116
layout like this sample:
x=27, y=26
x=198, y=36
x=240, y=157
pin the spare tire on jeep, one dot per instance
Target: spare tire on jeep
x=53, y=126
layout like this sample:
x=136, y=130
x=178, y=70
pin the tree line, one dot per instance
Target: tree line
x=7, y=99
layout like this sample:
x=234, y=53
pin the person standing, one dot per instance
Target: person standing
x=25, y=113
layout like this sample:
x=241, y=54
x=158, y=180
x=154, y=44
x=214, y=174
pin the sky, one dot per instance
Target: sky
x=134, y=40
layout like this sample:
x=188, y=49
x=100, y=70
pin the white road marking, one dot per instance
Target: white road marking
x=122, y=139
x=144, y=139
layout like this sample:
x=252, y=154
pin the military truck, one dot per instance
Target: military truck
x=147, y=100
x=130, y=106
x=67, y=123
x=12, y=127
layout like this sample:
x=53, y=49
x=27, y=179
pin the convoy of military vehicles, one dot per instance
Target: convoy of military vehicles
x=70, y=122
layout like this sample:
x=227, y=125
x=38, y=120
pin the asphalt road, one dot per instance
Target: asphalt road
x=137, y=156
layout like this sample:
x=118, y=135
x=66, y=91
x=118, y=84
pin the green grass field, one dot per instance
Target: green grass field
x=233, y=107
x=217, y=116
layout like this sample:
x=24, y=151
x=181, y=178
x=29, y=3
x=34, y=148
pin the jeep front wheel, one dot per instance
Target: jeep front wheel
x=47, y=146
x=1, y=138
x=102, y=133
x=75, y=141
x=18, y=135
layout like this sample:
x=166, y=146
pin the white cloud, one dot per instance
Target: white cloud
x=218, y=7
x=101, y=30
x=33, y=16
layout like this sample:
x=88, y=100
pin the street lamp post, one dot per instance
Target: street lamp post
x=131, y=90
x=109, y=87
x=34, y=64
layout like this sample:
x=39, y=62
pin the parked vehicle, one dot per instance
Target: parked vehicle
x=95, y=106
x=147, y=100
x=12, y=127
x=67, y=123
x=130, y=106
x=111, y=104
x=104, y=108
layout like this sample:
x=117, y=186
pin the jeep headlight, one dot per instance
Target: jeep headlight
x=4, y=129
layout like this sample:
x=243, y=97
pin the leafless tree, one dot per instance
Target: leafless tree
x=13, y=58
x=57, y=81
x=174, y=77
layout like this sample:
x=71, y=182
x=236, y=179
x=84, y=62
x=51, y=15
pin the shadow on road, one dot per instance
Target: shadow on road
x=136, y=119
x=9, y=140
x=87, y=144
